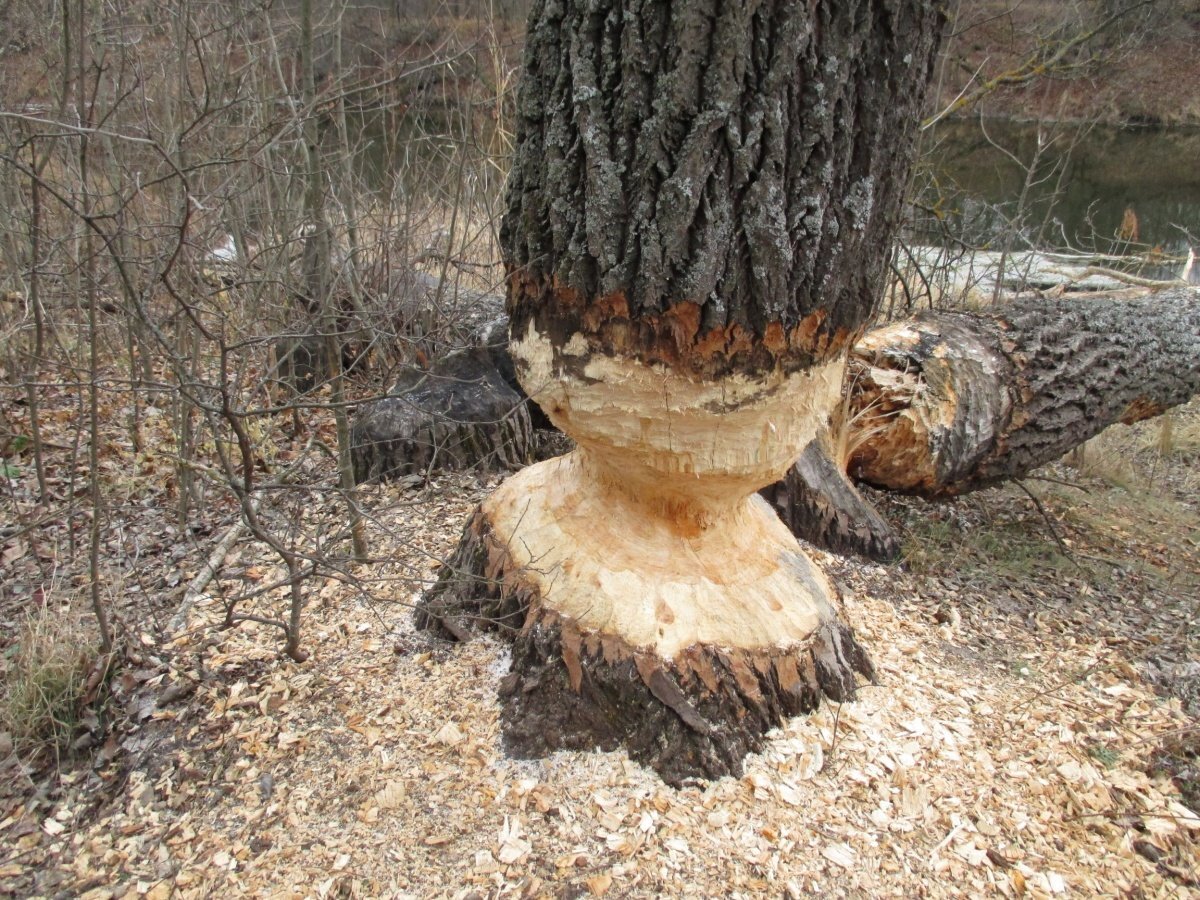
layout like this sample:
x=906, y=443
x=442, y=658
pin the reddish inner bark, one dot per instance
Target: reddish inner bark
x=676, y=337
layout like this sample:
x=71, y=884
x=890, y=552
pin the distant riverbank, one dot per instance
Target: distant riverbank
x=1137, y=74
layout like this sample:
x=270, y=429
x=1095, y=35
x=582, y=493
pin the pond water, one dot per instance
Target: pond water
x=1100, y=190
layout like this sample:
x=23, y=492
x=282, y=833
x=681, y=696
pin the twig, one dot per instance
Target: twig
x=1123, y=277
x=1062, y=481
x=1031, y=68
x=1074, y=679
x=1049, y=524
x=207, y=572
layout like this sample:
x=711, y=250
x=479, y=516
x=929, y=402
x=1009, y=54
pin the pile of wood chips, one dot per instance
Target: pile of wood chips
x=1004, y=751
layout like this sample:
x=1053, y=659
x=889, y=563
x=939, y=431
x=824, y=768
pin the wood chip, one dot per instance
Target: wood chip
x=956, y=775
x=840, y=854
x=598, y=885
x=391, y=796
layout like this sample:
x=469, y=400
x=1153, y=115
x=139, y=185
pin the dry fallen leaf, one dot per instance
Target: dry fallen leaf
x=13, y=551
x=53, y=828
x=598, y=885
x=1018, y=881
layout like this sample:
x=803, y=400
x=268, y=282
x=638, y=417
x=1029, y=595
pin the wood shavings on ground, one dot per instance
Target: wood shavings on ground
x=1005, y=751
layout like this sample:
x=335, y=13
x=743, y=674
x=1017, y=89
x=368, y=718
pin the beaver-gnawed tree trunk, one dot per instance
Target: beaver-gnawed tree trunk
x=951, y=402
x=701, y=203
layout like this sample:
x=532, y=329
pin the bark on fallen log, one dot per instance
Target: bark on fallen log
x=820, y=504
x=460, y=414
x=951, y=402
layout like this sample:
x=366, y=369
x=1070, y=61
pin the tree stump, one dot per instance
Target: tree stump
x=460, y=414
x=821, y=505
x=576, y=686
x=644, y=571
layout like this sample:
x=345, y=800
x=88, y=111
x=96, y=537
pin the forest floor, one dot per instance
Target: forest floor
x=1038, y=689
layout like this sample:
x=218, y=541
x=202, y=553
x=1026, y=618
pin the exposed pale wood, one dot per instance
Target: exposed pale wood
x=699, y=213
x=650, y=543
x=695, y=713
x=936, y=396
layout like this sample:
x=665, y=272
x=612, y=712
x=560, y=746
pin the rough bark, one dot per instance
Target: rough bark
x=460, y=414
x=951, y=402
x=821, y=505
x=699, y=213
x=712, y=185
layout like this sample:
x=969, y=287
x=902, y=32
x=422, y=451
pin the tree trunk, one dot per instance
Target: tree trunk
x=947, y=403
x=699, y=214
x=951, y=402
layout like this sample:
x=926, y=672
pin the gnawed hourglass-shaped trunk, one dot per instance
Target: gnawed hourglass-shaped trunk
x=700, y=209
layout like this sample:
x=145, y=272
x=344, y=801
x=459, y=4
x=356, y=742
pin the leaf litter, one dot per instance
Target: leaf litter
x=1004, y=752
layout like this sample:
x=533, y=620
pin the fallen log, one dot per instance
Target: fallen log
x=951, y=402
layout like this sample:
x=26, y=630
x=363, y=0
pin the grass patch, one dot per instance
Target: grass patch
x=1107, y=458
x=1106, y=756
x=1017, y=547
x=50, y=673
x=1157, y=456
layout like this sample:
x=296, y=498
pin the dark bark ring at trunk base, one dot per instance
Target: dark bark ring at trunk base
x=696, y=716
